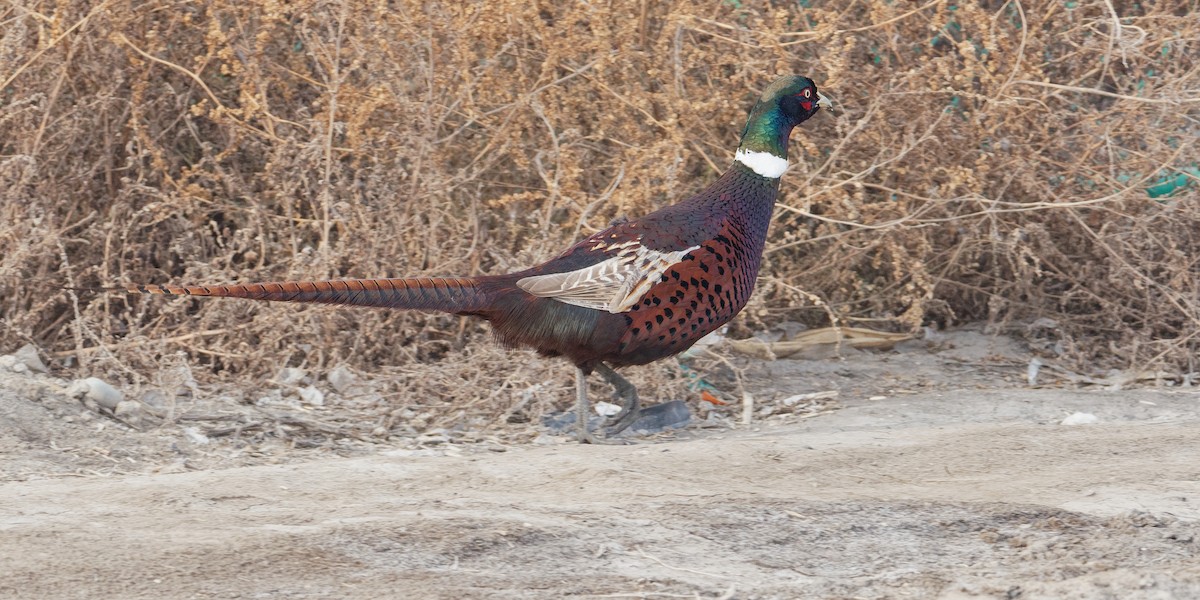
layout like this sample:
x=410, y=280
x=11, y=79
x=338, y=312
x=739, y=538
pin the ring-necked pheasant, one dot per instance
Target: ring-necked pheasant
x=641, y=290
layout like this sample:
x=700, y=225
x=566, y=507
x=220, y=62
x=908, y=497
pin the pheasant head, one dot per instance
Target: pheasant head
x=783, y=105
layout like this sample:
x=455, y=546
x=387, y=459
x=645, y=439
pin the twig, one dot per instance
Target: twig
x=54, y=42
x=221, y=108
x=333, y=87
x=127, y=344
x=236, y=429
x=867, y=27
x=1020, y=54
x=1084, y=90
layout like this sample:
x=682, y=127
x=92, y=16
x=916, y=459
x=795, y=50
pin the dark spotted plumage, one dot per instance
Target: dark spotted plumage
x=711, y=284
x=641, y=290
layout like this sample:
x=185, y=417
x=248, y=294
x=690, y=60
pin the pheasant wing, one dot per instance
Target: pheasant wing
x=615, y=284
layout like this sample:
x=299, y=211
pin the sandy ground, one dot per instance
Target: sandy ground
x=968, y=488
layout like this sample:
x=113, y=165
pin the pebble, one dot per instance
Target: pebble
x=28, y=356
x=272, y=397
x=341, y=378
x=1080, y=418
x=129, y=410
x=311, y=395
x=97, y=391
x=662, y=417
x=290, y=375
x=194, y=436
x=606, y=409
x=1031, y=371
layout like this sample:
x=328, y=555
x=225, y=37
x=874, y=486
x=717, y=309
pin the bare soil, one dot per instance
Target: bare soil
x=938, y=474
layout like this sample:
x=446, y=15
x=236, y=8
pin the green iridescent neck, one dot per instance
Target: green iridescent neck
x=766, y=131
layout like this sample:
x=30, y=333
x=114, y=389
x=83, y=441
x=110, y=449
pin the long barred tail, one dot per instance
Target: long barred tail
x=447, y=294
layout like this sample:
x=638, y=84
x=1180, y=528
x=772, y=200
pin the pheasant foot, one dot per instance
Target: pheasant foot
x=631, y=407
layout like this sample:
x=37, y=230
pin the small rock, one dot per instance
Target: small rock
x=704, y=343
x=662, y=417
x=341, y=378
x=290, y=375
x=747, y=408
x=19, y=367
x=1080, y=418
x=1032, y=370
x=606, y=409
x=129, y=411
x=311, y=395
x=97, y=391
x=194, y=436
x=271, y=398
x=28, y=356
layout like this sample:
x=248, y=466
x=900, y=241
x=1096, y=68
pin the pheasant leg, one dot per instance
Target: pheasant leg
x=631, y=407
x=581, y=408
x=581, y=411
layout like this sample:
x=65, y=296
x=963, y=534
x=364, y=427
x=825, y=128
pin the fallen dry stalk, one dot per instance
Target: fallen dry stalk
x=832, y=337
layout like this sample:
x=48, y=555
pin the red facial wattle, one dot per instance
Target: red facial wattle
x=805, y=98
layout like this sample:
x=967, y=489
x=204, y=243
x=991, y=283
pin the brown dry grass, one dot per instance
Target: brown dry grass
x=988, y=160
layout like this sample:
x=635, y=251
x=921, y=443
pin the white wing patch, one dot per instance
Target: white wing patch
x=615, y=285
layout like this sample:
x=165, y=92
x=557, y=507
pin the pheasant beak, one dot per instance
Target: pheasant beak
x=824, y=102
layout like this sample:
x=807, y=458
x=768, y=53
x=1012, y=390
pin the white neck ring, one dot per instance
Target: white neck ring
x=763, y=163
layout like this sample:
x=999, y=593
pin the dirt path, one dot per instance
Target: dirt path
x=950, y=495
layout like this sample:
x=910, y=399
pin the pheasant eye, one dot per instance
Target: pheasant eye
x=807, y=92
